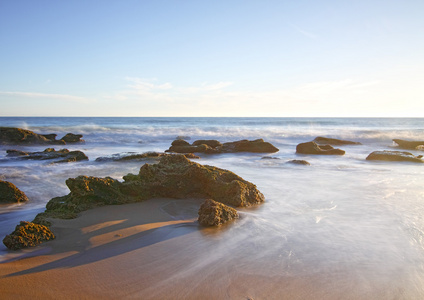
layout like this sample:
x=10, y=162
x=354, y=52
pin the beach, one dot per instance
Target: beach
x=339, y=228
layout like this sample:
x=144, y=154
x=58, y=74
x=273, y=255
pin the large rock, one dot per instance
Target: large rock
x=173, y=177
x=256, y=146
x=9, y=193
x=27, y=234
x=314, y=148
x=394, y=156
x=336, y=142
x=50, y=153
x=212, y=213
x=413, y=145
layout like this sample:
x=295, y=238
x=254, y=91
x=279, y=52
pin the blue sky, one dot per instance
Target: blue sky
x=212, y=58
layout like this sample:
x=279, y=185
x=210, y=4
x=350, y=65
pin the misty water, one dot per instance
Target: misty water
x=357, y=225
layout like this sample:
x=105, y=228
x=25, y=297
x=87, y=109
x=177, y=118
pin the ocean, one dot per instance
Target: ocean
x=359, y=224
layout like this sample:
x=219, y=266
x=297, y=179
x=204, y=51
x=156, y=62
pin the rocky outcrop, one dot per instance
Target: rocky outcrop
x=212, y=213
x=128, y=156
x=336, y=142
x=50, y=153
x=9, y=193
x=27, y=234
x=314, y=148
x=412, y=145
x=214, y=146
x=395, y=156
x=18, y=136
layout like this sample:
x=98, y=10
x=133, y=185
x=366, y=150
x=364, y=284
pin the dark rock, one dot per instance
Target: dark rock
x=210, y=143
x=330, y=141
x=50, y=137
x=17, y=136
x=27, y=234
x=137, y=156
x=49, y=153
x=15, y=153
x=313, y=148
x=394, y=156
x=190, y=149
x=256, y=146
x=9, y=193
x=299, y=162
x=413, y=145
x=269, y=157
x=72, y=138
x=212, y=213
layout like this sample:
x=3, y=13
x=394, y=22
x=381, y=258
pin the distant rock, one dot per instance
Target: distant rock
x=49, y=153
x=214, y=146
x=128, y=156
x=72, y=138
x=9, y=193
x=314, y=148
x=269, y=157
x=394, y=156
x=212, y=213
x=336, y=142
x=299, y=162
x=18, y=136
x=27, y=234
x=413, y=145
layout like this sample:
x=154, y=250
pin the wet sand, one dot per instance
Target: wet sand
x=155, y=250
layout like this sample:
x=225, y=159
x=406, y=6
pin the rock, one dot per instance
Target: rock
x=72, y=138
x=27, y=234
x=9, y=193
x=299, y=162
x=50, y=153
x=127, y=156
x=17, y=136
x=394, y=156
x=413, y=145
x=256, y=146
x=50, y=137
x=180, y=143
x=330, y=141
x=313, y=148
x=210, y=143
x=269, y=157
x=190, y=149
x=212, y=213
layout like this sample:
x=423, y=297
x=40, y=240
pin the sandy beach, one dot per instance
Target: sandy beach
x=156, y=250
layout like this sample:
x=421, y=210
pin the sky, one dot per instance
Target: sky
x=233, y=58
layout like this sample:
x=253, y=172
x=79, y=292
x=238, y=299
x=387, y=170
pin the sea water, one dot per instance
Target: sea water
x=358, y=223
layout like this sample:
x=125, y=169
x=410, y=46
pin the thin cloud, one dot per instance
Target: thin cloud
x=47, y=96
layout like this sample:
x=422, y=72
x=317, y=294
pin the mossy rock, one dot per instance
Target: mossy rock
x=212, y=213
x=27, y=234
x=9, y=193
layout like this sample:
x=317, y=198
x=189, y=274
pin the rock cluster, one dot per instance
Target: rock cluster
x=49, y=153
x=214, y=146
x=138, y=156
x=212, y=213
x=27, y=234
x=9, y=193
x=18, y=136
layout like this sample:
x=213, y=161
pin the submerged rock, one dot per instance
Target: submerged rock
x=212, y=213
x=337, y=142
x=9, y=193
x=394, y=156
x=314, y=148
x=413, y=145
x=50, y=153
x=27, y=234
x=72, y=138
x=128, y=156
x=299, y=162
